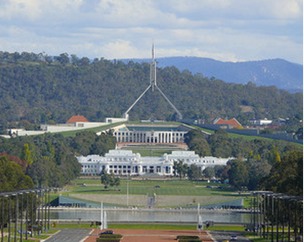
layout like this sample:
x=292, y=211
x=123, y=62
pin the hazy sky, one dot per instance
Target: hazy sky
x=227, y=30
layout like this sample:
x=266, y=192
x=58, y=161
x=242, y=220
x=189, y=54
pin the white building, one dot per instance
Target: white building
x=261, y=122
x=150, y=133
x=125, y=162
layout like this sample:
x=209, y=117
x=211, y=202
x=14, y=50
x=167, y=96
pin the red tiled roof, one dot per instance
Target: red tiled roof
x=231, y=122
x=77, y=118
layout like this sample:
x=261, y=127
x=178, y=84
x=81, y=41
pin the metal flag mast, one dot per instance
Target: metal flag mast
x=153, y=86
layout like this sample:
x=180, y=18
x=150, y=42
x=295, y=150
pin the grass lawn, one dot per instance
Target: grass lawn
x=170, y=192
x=161, y=187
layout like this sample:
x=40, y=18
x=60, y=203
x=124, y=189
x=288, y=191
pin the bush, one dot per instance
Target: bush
x=178, y=237
x=112, y=236
x=188, y=238
x=109, y=238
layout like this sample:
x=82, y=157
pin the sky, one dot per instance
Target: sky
x=225, y=30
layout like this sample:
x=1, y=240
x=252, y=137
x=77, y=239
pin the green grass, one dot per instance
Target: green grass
x=73, y=133
x=172, y=192
x=142, y=187
x=151, y=152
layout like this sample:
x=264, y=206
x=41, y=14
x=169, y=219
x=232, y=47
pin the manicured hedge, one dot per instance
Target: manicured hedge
x=112, y=236
x=188, y=238
x=109, y=238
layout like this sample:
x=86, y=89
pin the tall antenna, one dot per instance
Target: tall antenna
x=152, y=85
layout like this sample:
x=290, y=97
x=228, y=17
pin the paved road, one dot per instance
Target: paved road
x=70, y=235
x=226, y=236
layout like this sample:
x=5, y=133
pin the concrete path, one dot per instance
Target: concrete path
x=69, y=235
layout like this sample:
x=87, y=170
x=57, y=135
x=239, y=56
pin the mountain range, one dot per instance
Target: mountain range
x=274, y=72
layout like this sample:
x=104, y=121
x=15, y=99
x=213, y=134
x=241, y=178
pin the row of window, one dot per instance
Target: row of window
x=127, y=169
x=120, y=159
x=144, y=134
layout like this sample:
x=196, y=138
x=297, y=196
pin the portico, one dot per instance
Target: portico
x=151, y=134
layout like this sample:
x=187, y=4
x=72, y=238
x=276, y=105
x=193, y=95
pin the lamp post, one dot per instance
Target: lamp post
x=2, y=219
x=26, y=215
x=49, y=206
x=16, y=217
x=45, y=209
x=9, y=218
x=128, y=190
x=21, y=218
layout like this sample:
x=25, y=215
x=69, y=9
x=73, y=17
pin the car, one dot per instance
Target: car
x=106, y=232
x=233, y=237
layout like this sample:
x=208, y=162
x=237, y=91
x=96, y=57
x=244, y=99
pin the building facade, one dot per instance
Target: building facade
x=125, y=162
x=150, y=134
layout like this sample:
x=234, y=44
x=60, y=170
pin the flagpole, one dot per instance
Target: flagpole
x=101, y=216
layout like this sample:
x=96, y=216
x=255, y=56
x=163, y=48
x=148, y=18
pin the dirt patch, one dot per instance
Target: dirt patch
x=137, y=235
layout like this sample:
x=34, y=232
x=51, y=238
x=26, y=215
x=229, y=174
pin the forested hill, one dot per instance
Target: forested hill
x=42, y=89
x=274, y=72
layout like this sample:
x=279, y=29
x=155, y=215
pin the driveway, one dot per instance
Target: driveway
x=70, y=235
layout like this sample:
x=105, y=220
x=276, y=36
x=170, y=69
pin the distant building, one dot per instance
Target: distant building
x=261, y=122
x=150, y=133
x=125, y=162
x=77, y=119
x=229, y=124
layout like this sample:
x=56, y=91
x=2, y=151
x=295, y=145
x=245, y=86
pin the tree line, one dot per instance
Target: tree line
x=46, y=160
x=256, y=164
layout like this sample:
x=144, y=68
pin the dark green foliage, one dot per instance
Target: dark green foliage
x=109, y=179
x=188, y=238
x=180, y=169
x=50, y=160
x=12, y=176
x=238, y=174
x=109, y=238
x=209, y=172
x=197, y=142
x=194, y=173
x=286, y=176
x=38, y=89
x=113, y=236
x=257, y=164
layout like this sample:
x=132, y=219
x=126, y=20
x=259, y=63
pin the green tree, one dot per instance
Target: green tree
x=194, y=172
x=197, y=142
x=238, y=174
x=209, y=172
x=12, y=177
x=109, y=179
x=180, y=169
x=258, y=170
x=286, y=176
x=27, y=154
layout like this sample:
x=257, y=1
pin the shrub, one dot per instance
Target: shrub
x=112, y=236
x=188, y=238
x=178, y=237
x=109, y=238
